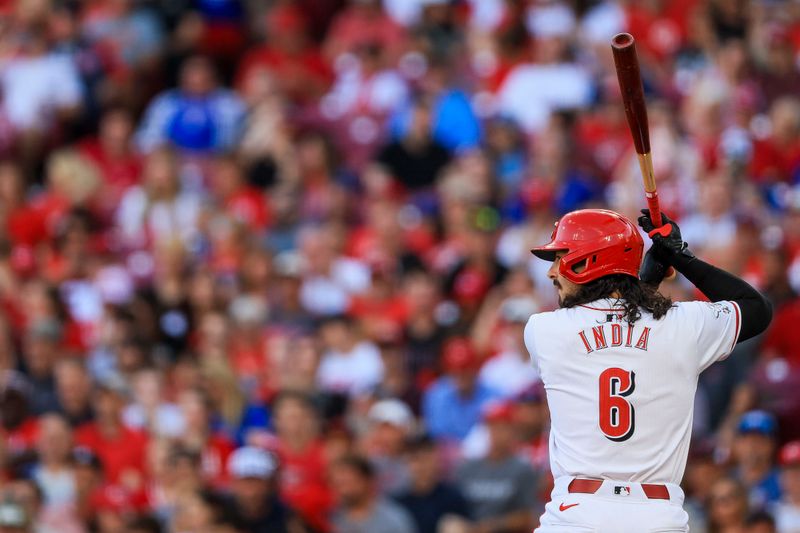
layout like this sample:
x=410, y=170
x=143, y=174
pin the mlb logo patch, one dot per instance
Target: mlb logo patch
x=622, y=490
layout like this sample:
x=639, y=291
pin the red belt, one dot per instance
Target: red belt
x=590, y=486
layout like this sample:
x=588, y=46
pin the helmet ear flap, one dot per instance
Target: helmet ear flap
x=580, y=266
x=574, y=269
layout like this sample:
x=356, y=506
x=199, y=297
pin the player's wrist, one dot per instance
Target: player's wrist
x=680, y=258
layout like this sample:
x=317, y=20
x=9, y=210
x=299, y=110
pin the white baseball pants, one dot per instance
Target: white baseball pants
x=616, y=507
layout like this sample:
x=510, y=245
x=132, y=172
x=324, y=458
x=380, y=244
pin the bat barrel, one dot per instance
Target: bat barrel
x=623, y=48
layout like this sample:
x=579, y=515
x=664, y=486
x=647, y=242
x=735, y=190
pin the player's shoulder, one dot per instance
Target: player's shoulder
x=699, y=307
x=543, y=317
x=546, y=321
x=697, y=314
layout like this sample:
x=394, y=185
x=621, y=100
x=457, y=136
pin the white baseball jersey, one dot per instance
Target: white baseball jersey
x=621, y=395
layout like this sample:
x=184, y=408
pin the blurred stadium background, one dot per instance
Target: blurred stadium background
x=264, y=263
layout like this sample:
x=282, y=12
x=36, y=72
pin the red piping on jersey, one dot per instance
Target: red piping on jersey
x=600, y=309
x=736, y=313
x=738, y=324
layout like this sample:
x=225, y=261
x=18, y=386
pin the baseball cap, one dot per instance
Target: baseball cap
x=518, y=309
x=757, y=421
x=248, y=310
x=251, y=462
x=392, y=412
x=499, y=412
x=289, y=264
x=790, y=454
x=458, y=354
x=12, y=515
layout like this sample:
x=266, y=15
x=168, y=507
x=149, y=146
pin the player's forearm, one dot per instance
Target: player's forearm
x=718, y=285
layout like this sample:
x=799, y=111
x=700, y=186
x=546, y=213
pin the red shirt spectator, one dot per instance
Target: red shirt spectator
x=661, y=31
x=293, y=62
x=198, y=435
x=245, y=204
x=120, y=449
x=363, y=23
x=110, y=152
x=303, y=482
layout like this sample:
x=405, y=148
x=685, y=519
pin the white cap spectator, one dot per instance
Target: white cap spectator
x=251, y=462
x=392, y=412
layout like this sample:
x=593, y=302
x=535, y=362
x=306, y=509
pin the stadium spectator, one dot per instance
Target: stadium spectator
x=760, y=522
x=702, y=472
x=360, y=507
x=201, y=437
x=254, y=497
x=330, y=279
x=88, y=477
x=390, y=423
x=500, y=488
x=148, y=410
x=727, y=506
x=41, y=90
x=415, y=160
x=157, y=211
x=39, y=351
x=300, y=450
x=111, y=152
x=509, y=372
x=753, y=452
x=18, y=423
x=432, y=501
x=349, y=364
x=53, y=472
x=199, y=117
x=121, y=450
x=73, y=391
x=787, y=510
x=363, y=22
x=289, y=56
x=453, y=404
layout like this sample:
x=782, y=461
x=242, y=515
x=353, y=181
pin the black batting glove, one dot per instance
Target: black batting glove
x=667, y=240
x=654, y=268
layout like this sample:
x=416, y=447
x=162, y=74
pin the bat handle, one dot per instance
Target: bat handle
x=655, y=210
x=658, y=222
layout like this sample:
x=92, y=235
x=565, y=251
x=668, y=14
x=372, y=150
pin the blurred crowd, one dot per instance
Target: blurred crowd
x=264, y=263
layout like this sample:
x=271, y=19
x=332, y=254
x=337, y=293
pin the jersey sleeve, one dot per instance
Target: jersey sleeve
x=530, y=342
x=717, y=326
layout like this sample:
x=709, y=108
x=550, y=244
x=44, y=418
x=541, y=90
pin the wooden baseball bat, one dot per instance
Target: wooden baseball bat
x=623, y=46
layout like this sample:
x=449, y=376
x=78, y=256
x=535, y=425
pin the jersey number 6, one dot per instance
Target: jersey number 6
x=617, y=416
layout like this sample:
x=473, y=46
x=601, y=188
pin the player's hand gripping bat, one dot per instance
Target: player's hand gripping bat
x=626, y=62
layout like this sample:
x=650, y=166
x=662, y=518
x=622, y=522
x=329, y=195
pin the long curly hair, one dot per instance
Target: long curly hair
x=633, y=296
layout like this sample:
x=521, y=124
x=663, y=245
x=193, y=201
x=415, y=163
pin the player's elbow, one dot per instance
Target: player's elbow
x=756, y=316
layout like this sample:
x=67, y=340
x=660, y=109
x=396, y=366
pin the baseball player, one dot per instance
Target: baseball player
x=620, y=363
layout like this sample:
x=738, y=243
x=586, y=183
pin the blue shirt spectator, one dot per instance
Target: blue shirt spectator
x=753, y=451
x=449, y=414
x=454, y=403
x=454, y=124
x=197, y=117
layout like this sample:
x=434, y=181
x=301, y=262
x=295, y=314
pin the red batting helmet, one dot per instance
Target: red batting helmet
x=606, y=241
